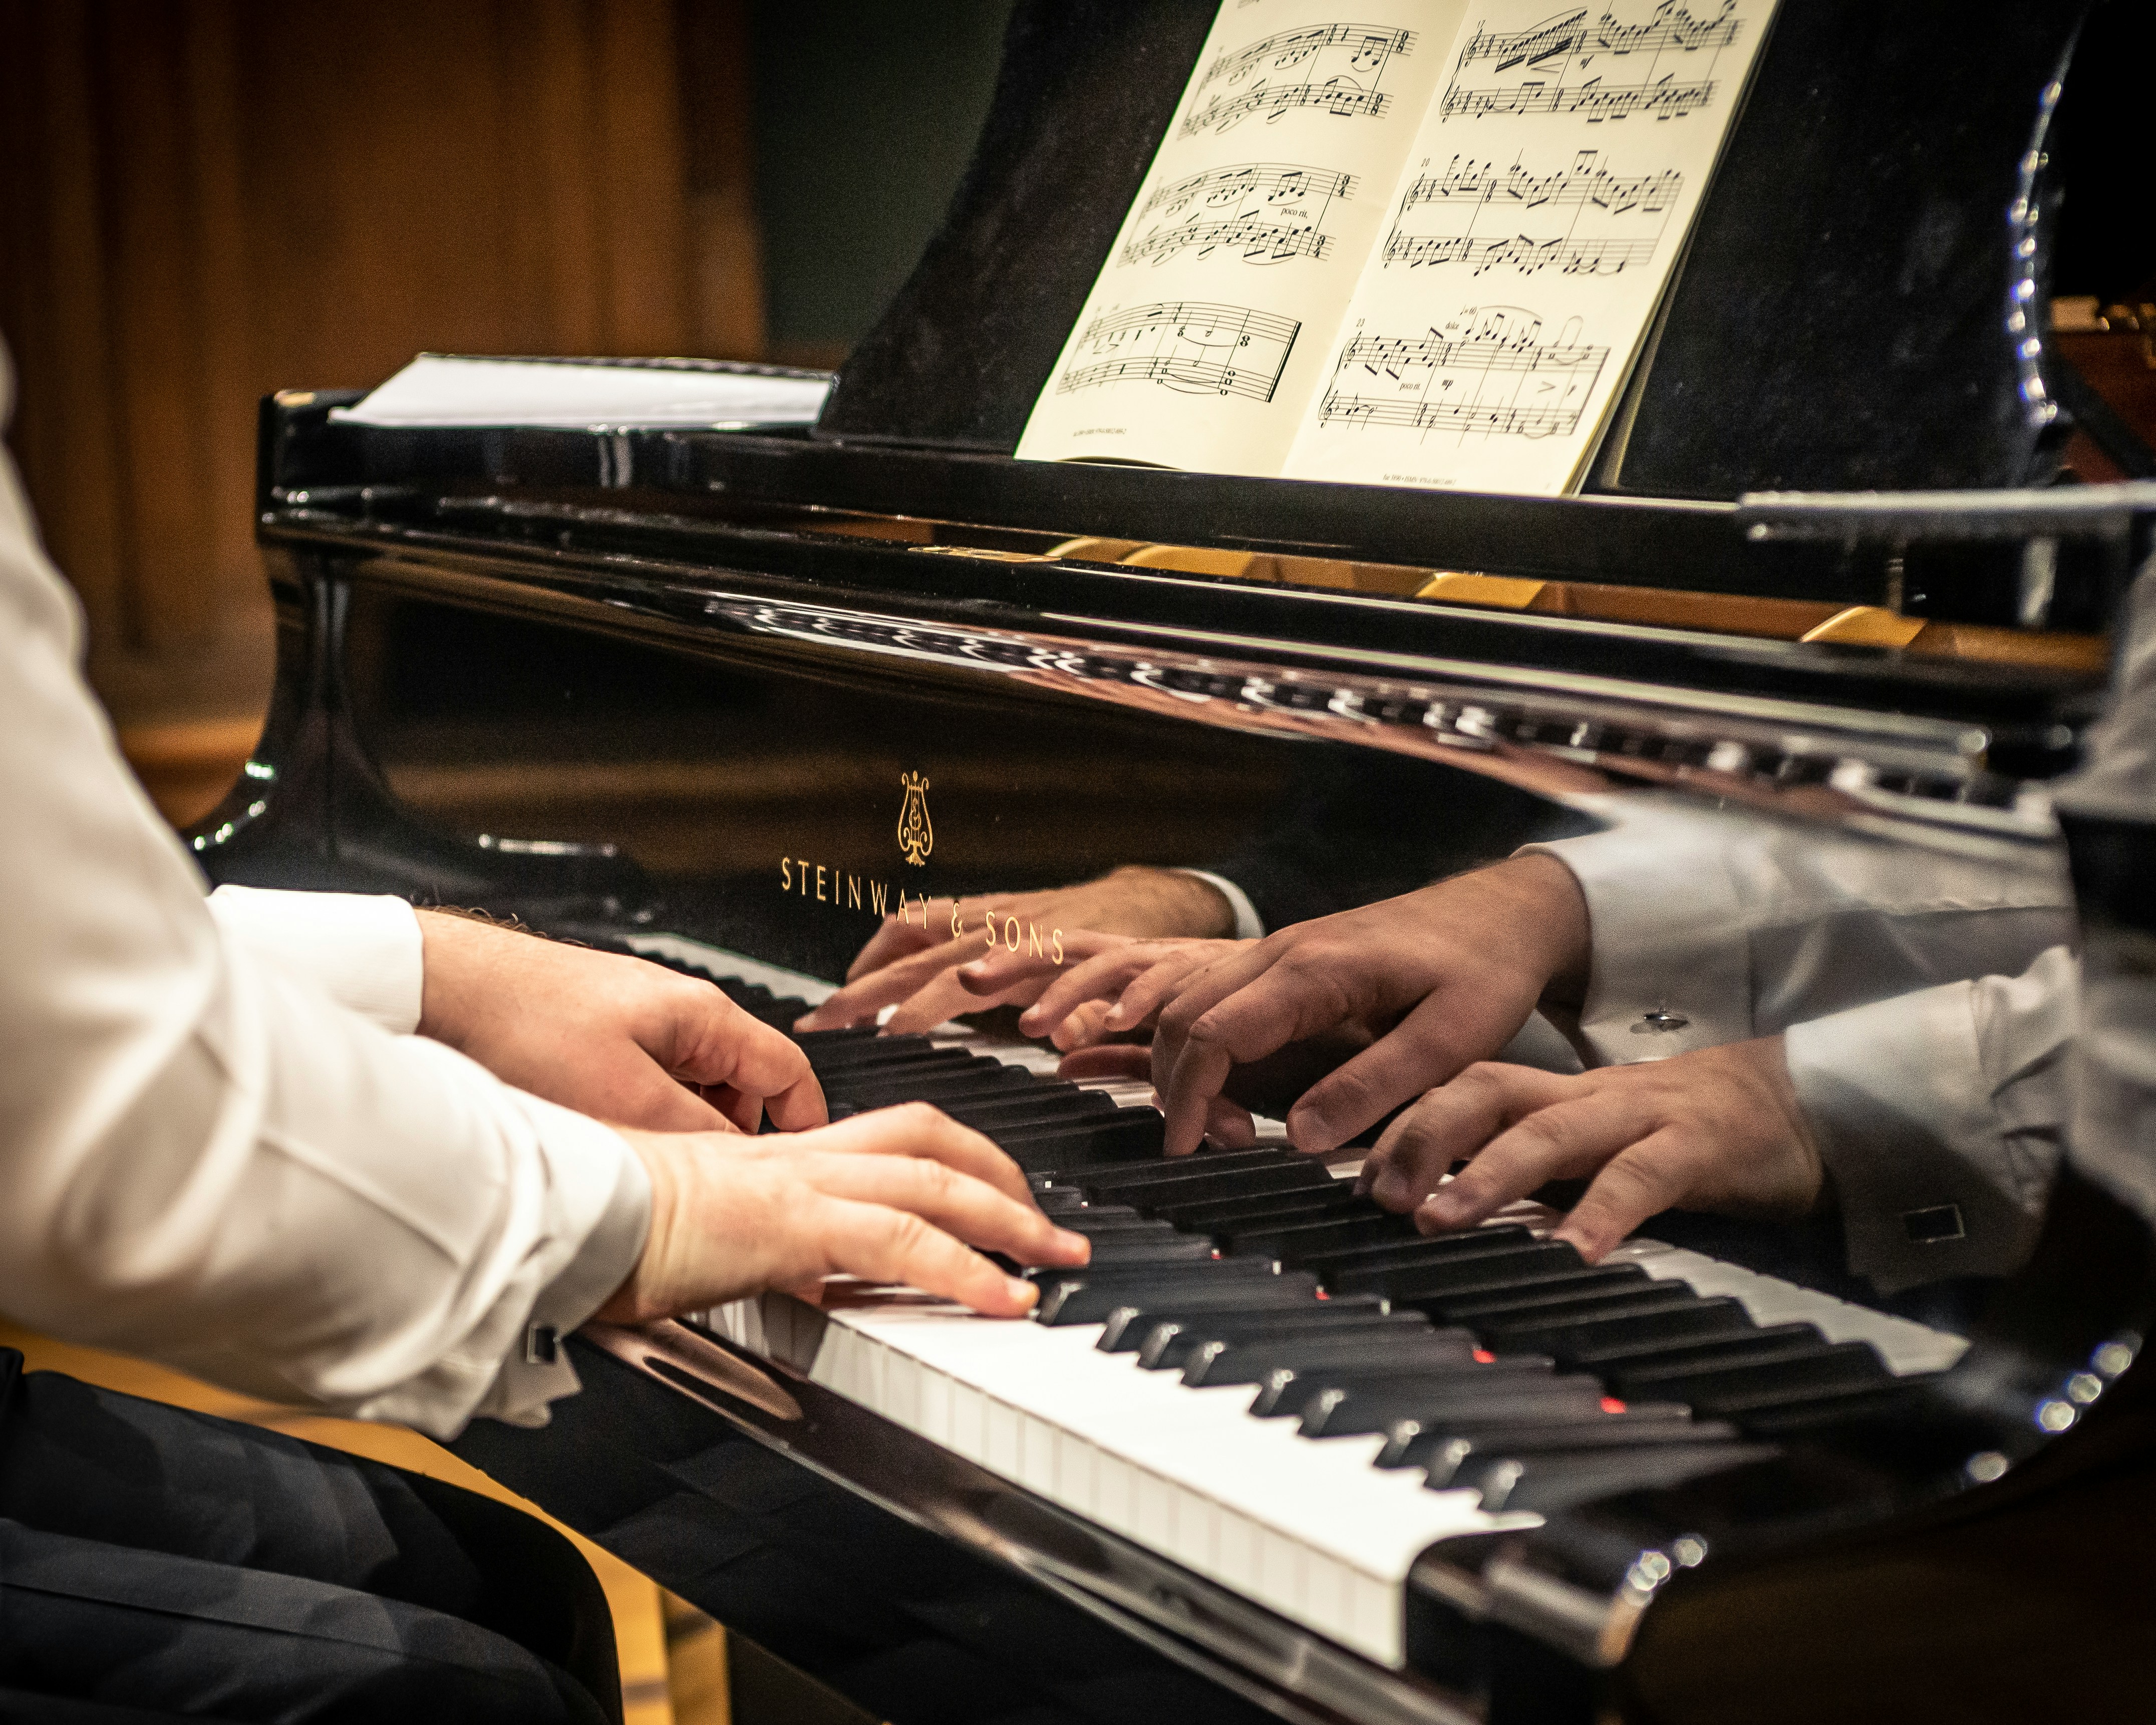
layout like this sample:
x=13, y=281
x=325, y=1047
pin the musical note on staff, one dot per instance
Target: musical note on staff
x=1331, y=69
x=1587, y=182
x=1193, y=347
x=1239, y=185
x=1338, y=98
x=1593, y=99
x=1487, y=372
x=1365, y=48
x=1562, y=60
x=1262, y=212
x=1567, y=257
x=1580, y=220
x=1568, y=35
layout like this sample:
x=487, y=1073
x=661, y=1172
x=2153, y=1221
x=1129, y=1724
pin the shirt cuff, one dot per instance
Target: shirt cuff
x=1249, y=925
x=1668, y=971
x=1899, y=1103
x=363, y=951
x=536, y=1369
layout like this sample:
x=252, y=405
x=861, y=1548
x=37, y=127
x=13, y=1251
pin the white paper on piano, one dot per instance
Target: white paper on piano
x=1423, y=248
x=441, y=389
x=1308, y=1529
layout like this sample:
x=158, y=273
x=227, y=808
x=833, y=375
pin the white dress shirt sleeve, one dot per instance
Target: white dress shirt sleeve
x=209, y=1161
x=1710, y=926
x=360, y=949
x=1940, y=1117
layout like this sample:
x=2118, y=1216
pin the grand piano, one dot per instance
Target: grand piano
x=724, y=697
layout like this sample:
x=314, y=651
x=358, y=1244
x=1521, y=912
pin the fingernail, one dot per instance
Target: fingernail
x=1071, y=1242
x=1024, y=1292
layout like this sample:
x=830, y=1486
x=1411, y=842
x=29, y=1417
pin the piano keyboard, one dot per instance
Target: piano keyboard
x=1273, y=1382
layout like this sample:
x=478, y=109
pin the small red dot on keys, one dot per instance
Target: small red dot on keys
x=1323, y=1295
x=1610, y=1404
x=1484, y=1357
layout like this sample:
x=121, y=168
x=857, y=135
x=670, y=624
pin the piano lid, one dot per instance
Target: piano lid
x=1853, y=312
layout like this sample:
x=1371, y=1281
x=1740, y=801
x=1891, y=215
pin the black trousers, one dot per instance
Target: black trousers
x=156, y=1559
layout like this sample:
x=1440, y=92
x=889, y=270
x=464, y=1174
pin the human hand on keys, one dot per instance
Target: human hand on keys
x=912, y=962
x=1719, y=1129
x=901, y=1195
x=1415, y=988
x=614, y=1037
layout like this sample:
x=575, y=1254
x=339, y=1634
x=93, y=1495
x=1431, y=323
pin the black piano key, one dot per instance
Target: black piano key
x=1334, y=1197
x=1357, y=1408
x=942, y=1085
x=882, y=1052
x=1133, y=1135
x=1560, y=1479
x=1505, y=1291
x=1450, y=1271
x=1676, y=1315
x=1087, y=1296
x=1749, y=1347
x=1811, y=1416
x=819, y=1044
x=1591, y=1293
x=1126, y=1326
x=1174, y=1168
x=1729, y=1391
x=1306, y=1241
x=1287, y=1372
x=1171, y=1344
x=1117, y=1223
x=1149, y=1195
x=1402, y=1251
x=1173, y=1248
x=1061, y=1201
x=1442, y=1451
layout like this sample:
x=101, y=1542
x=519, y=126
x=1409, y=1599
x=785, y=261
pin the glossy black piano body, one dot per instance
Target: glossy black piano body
x=620, y=681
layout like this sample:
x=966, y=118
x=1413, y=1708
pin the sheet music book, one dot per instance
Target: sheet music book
x=1403, y=241
x=449, y=389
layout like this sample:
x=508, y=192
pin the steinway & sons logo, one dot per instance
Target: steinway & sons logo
x=916, y=838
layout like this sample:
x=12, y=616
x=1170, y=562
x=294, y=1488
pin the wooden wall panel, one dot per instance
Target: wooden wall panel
x=204, y=200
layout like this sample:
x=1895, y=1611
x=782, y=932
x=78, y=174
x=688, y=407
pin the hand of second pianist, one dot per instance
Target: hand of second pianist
x=1426, y=984
x=606, y=1034
x=911, y=962
x=1719, y=1129
x=901, y=1195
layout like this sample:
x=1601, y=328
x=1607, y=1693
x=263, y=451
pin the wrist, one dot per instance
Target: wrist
x=1176, y=903
x=452, y=947
x=1551, y=917
x=633, y=1302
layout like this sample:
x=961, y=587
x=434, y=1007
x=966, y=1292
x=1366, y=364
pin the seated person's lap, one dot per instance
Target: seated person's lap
x=165, y=1559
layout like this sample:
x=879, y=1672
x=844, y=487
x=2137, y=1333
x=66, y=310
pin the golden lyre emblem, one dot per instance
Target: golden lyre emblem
x=916, y=837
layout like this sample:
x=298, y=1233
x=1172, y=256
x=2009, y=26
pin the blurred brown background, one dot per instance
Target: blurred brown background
x=201, y=201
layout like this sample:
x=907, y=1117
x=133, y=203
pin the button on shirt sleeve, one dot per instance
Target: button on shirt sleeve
x=208, y=1159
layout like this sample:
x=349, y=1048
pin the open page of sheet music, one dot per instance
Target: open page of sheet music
x=1469, y=325
x=1210, y=329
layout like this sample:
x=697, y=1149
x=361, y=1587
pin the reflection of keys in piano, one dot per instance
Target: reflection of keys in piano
x=1579, y=220
x=1269, y=1380
x=1332, y=68
x=1266, y=211
x=1603, y=69
x=1490, y=373
x=1188, y=346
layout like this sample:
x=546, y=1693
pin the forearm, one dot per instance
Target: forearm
x=1711, y=926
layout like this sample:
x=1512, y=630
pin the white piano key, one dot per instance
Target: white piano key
x=1907, y=1347
x=1309, y=1528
